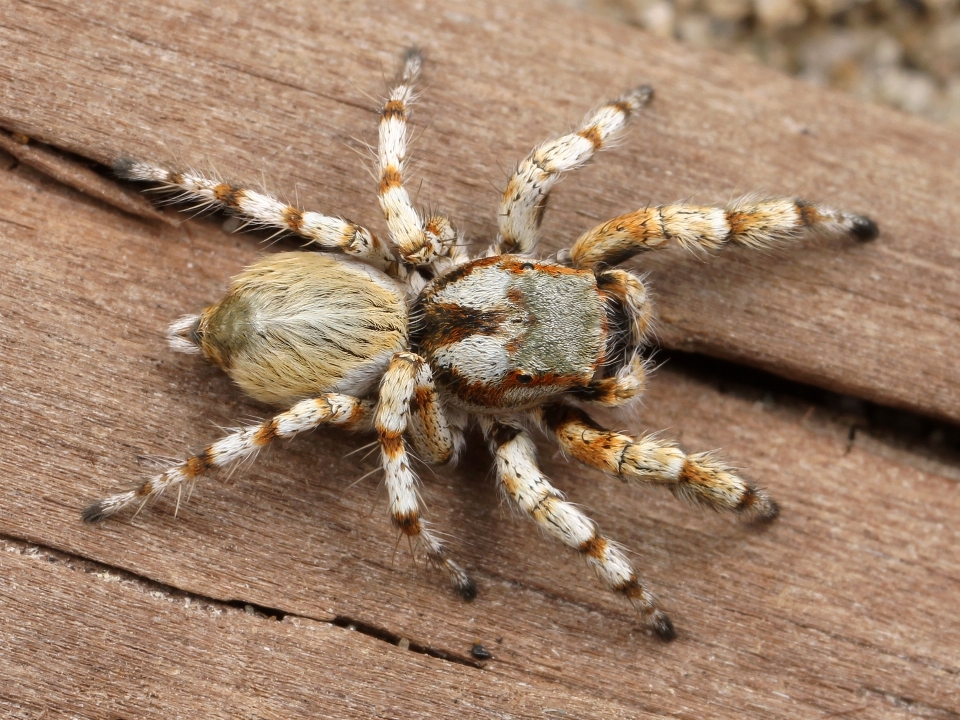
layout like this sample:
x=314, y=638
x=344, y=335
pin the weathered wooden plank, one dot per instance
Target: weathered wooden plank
x=71, y=173
x=281, y=91
x=845, y=605
x=82, y=642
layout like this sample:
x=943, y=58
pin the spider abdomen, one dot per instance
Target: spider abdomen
x=507, y=332
x=298, y=324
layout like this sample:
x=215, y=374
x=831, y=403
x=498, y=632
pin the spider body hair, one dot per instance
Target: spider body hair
x=411, y=339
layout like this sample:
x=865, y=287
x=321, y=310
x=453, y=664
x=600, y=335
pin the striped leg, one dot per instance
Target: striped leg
x=332, y=409
x=697, y=478
x=629, y=382
x=750, y=222
x=525, y=197
x=419, y=240
x=407, y=374
x=329, y=233
x=523, y=482
x=436, y=434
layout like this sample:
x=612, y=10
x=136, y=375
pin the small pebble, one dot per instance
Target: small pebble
x=479, y=652
x=902, y=53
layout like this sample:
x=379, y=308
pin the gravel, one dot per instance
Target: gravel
x=902, y=53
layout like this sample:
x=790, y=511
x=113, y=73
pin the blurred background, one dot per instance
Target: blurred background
x=902, y=53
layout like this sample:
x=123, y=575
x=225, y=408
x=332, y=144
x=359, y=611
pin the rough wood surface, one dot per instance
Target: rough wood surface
x=280, y=92
x=73, y=174
x=845, y=607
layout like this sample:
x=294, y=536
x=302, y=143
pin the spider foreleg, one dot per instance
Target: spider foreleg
x=699, y=478
x=631, y=308
x=398, y=391
x=747, y=221
x=436, y=434
x=419, y=240
x=261, y=209
x=627, y=384
x=528, y=190
x=528, y=488
x=332, y=409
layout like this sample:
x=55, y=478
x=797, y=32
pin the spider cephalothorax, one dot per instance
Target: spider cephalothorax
x=412, y=339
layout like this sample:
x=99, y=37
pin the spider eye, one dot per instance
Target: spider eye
x=527, y=266
x=523, y=378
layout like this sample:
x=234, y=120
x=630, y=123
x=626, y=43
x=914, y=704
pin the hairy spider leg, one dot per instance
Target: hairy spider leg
x=528, y=488
x=528, y=190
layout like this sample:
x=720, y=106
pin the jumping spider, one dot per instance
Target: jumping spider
x=413, y=339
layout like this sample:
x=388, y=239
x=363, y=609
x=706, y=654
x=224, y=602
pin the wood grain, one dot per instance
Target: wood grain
x=104, y=645
x=283, y=91
x=845, y=607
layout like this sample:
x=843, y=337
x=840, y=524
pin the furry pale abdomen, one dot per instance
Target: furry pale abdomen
x=298, y=324
x=505, y=332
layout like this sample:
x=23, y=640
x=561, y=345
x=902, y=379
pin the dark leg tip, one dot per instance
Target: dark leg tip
x=771, y=514
x=123, y=167
x=864, y=229
x=93, y=513
x=757, y=507
x=467, y=590
x=663, y=628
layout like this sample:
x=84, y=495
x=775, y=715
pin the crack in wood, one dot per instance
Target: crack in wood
x=854, y=417
x=84, y=564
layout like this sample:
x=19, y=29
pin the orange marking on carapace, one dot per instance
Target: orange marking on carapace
x=516, y=265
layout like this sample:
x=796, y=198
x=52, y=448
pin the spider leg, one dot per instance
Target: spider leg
x=260, y=209
x=525, y=197
x=525, y=484
x=699, y=478
x=398, y=391
x=419, y=240
x=631, y=379
x=628, y=384
x=332, y=409
x=747, y=221
x=436, y=433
